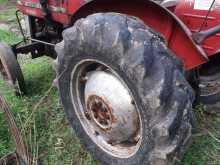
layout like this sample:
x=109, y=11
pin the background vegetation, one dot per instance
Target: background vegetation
x=45, y=129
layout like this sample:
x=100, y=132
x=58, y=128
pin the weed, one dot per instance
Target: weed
x=8, y=15
x=8, y=37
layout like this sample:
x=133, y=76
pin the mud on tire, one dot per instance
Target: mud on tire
x=152, y=73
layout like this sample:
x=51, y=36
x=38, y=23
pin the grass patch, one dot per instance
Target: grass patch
x=8, y=37
x=8, y=15
x=205, y=148
x=2, y=2
x=49, y=129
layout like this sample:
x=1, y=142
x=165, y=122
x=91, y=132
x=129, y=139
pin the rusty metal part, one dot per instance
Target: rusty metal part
x=199, y=37
x=100, y=112
x=105, y=92
x=10, y=69
x=20, y=147
x=106, y=108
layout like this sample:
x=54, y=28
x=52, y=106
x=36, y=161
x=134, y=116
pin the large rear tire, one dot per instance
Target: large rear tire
x=116, y=58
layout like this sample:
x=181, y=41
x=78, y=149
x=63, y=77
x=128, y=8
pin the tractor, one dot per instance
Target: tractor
x=128, y=72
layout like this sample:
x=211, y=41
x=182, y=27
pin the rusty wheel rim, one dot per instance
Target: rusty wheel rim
x=106, y=108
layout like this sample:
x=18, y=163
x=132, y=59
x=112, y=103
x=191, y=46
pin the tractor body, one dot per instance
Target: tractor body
x=177, y=26
x=193, y=15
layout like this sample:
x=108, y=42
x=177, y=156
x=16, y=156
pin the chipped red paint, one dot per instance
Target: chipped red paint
x=175, y=32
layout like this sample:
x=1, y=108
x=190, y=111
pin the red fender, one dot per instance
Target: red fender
x=176, y=34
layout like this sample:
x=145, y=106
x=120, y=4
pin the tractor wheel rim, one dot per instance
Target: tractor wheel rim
x=106, y=108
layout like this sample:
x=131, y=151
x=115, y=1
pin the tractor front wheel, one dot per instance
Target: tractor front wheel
x=123, y=91
x=10, y=70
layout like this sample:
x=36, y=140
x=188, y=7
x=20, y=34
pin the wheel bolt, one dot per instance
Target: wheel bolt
x=84, y=79
x=87, y=115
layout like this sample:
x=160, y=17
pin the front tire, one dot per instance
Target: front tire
x=10, y=70
x=117, y=49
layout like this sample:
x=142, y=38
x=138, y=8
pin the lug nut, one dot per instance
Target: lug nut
x=87, y=115
x=84, y=79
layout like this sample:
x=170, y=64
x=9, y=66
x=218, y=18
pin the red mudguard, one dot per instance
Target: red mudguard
x=176, y=34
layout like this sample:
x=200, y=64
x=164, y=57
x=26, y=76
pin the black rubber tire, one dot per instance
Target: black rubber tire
x=209, y=100
x=212, y=101
x=14, y=73
x=154, y=75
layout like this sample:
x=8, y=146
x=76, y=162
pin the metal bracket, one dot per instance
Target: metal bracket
x=199, y=37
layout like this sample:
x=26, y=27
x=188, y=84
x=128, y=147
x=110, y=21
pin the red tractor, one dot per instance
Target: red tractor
x=128, y=72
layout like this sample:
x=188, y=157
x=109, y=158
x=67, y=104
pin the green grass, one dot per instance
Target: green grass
x=8, y=15
x=205, y=148
x=8, y=37
x=2, y=2
x=7, y=11
x=55, y=139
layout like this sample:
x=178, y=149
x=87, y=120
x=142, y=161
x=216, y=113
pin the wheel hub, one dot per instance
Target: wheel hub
x=100, y=112
x=110, y=108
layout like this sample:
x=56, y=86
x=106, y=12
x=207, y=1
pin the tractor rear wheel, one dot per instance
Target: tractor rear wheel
x=123, y=91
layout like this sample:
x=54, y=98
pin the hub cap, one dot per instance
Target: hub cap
x=106, y=109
